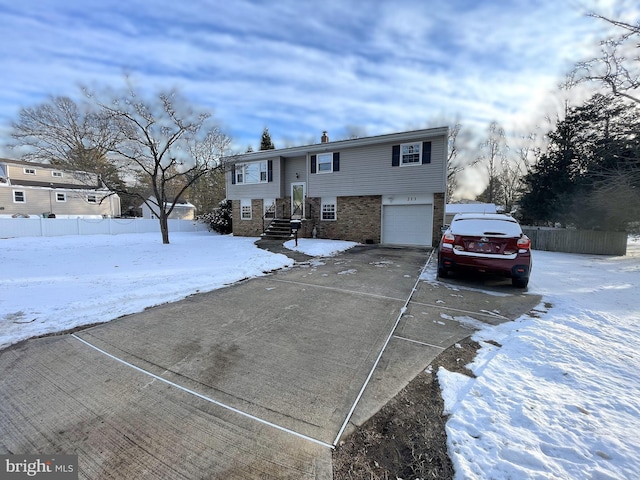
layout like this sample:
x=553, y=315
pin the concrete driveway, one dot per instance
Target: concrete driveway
x=257, y=380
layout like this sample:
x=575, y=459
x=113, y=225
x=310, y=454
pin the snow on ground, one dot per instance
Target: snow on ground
x=318, y=247
x=52, y=284
x=560, y=398
x=55, y=283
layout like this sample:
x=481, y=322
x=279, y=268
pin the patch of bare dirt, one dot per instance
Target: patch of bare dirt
x=407, y=438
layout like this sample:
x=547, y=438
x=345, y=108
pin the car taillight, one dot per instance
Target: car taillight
x=448, y=238
x=524, y=243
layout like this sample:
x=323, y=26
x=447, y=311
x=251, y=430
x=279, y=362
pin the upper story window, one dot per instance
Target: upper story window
x=56, y=174
x=29, y=171
x=325, y=162
x=19, y=196
x=410, y=153
x=254, y=172
x=415, y=153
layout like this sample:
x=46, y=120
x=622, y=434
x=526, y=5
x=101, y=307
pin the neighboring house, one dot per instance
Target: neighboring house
x=181, y=211
x=387, y=189
x=454, y=208
x=38, y=189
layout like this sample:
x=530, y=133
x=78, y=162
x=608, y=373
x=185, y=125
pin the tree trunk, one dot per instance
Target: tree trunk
x=164, y=227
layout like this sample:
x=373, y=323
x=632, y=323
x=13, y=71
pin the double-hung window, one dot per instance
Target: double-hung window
x=92, y=198
x=325, y=162
x=61, y=197
x=254, y=172
x=328, y=208
x=410, y=153
x=19, y=196
x=56, y=174
x=245, y=209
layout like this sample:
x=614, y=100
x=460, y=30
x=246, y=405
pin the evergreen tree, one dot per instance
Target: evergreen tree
x=577, y=181
x=266, y=143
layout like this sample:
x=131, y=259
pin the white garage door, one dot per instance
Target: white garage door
x=407, y=225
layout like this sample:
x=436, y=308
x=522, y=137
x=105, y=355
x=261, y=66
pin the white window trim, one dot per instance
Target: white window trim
x=241, y=170
x=245, y=204
x=57, y=174
x=330, y=155
x=29, y=171
x=63, y=195
x=24, y=196
x=411, y=164
x=92, y=198
x=329, y=201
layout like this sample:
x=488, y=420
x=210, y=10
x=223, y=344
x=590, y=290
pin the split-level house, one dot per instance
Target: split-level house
x=387, y=189
x=38, y=189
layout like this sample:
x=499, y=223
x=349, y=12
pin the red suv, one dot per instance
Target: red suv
x=491, y=243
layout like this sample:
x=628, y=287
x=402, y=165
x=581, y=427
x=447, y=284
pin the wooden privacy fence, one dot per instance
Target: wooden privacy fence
x=577, y=241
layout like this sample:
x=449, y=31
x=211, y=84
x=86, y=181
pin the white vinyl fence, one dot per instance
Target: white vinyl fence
x=52, y=227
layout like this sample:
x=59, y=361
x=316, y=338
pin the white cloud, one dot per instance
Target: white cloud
x=301, y=68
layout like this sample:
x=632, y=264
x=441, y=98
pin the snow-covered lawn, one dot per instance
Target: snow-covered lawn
x=56, y=283
x=559, y=399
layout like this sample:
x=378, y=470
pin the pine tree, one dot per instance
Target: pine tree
x=266, y=143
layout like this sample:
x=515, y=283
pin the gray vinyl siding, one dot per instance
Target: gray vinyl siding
x=44, y=173
x=257, y=190
x=43, y=200
x=367, y=170
x=292, y=166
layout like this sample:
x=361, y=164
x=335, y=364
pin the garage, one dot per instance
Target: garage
x=407, y=224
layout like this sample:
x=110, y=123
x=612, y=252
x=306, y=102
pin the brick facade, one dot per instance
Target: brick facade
x=358, y=219
x=247, y=228
x=438, y=217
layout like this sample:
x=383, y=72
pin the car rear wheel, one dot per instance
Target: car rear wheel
x=443, y=273
x=520, y=282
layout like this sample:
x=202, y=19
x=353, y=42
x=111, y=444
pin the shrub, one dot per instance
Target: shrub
x=220, y=219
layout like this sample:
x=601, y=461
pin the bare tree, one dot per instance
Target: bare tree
x=164, y=141
x=618, y=66
x=159, y=145
x=492, y=156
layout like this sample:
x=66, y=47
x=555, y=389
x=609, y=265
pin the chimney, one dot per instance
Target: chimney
x=325, y=137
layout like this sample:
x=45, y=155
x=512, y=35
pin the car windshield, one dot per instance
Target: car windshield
x=479, y=227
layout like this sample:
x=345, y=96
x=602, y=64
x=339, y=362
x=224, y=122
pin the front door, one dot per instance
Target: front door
x=297, y=200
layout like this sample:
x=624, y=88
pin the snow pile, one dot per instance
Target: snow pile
x=319, y=248
x=559, y=399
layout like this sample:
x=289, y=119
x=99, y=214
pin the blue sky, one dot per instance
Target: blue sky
x=301, y=67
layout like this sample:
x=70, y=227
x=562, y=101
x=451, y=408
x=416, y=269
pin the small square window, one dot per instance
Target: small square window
x=56, y=174
x=29, y=171
x=92, y=199
x=61, y=197
x=19, y=197
x=328, y=209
